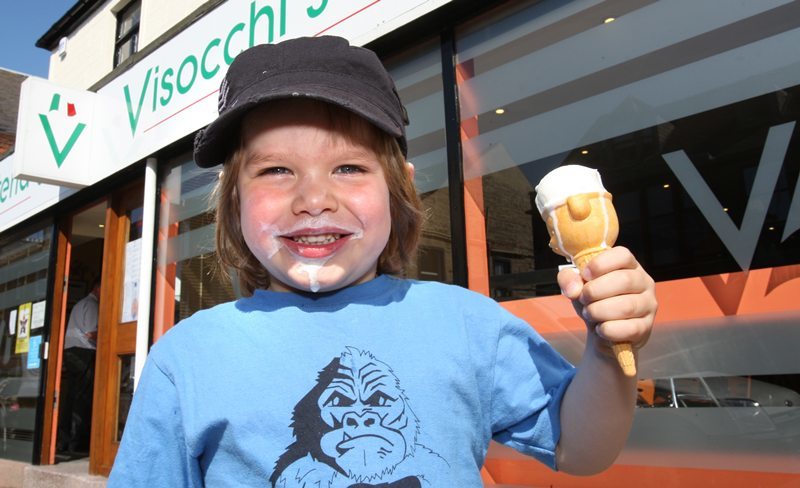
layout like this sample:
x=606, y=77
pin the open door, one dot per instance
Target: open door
x=79, y=257
x=116, y=342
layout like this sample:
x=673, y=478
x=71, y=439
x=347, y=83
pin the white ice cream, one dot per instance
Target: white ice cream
x=565, y=181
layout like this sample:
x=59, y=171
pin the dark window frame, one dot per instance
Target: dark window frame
x=130, y=37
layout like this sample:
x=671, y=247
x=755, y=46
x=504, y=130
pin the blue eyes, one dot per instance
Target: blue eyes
x=345, y=169
x=349, y=169
x=277, y=170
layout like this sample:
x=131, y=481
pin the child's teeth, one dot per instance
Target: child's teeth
x=318, y=239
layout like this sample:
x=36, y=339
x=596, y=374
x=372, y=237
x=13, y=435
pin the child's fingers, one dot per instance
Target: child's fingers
x=615, y=283
x=618, y=308
x=613, y=259
x=636, y=331
x=570, y=282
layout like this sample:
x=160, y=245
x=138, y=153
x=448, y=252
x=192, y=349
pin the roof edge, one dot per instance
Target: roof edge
x=68, y=22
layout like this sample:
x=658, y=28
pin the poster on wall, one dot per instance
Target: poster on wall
x=33, y=352
x=130, y=297
x=23, y=327
x=37, y=314
x=12, y=322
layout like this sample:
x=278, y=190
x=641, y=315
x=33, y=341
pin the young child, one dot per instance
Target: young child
x=335, y=372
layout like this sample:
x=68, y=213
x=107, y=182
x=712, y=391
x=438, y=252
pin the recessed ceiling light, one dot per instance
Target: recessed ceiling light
x=771, y=228
x=609, y=20
x=101, y=225
x=500, y=111
x=666, y=185
x=725, y=209
x=585, y=151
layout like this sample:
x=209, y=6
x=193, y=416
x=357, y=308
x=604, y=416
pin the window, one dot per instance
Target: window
x=695, y=131
x=681, y=173
x=24, y=268
x=187, y=277
x=418, y=76
x=127, y=39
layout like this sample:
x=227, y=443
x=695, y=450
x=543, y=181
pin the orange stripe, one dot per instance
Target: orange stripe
x=684, y=302
x=532, y=473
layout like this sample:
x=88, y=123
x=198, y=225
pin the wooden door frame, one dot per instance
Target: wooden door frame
x=113, y=337
x=55, y=349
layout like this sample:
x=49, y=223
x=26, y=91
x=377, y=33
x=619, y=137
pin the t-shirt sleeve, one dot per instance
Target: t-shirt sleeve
x=530, y=378
x=153, y=451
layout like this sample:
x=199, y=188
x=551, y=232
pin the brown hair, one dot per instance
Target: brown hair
x=405, y=206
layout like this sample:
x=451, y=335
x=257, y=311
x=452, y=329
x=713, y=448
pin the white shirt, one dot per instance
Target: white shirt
x=82, y=321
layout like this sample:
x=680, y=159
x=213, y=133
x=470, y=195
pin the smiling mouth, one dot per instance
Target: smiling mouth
x=315, y=246
x=316, y=240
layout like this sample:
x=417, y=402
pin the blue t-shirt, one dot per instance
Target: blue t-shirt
x=388, y=383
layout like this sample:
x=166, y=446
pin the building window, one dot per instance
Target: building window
x=24, y=275
x=430, y=264
x=127, y=39
x=187, y=276
x=705, y=183
x=417, y=72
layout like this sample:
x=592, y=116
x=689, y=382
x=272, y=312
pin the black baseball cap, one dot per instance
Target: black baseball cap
x=325, y=68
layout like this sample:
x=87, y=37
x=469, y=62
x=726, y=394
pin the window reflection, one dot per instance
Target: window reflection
x=694, y=130
x=125, y=368
x=187, y=278
x=702, y=174
x=418, y=76
x=24, y=259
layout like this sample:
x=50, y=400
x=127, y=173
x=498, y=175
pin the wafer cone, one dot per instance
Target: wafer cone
x=582, y=223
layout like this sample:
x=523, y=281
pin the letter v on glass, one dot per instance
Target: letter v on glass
x=741, y=242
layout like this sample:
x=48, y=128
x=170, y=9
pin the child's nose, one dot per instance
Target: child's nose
x=313, y=197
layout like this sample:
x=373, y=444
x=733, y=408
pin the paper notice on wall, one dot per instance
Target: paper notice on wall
x=23, y=327
x=12, y=322
x=37, y=314
x=33, y=352
x=130, y=297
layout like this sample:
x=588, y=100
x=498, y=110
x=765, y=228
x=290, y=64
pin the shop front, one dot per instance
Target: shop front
x=688, y=109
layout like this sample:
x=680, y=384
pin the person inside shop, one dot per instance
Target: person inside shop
x=77, y=380
x=335, y=371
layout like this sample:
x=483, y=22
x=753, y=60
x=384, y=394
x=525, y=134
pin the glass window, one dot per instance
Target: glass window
x=186, y=272
x=418, y=76
x=125, y=387
x=127, y=39
x=544, y=86
x=24, y=260
x=693, y=126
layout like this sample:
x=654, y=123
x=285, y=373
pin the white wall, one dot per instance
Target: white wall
x=90, y=47
x=159, y=16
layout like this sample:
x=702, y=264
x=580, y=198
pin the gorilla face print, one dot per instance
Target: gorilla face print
x=355, y=427
x=373, y=429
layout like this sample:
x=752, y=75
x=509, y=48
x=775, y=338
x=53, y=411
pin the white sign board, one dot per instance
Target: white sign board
x=20, y=199
x=64, y=136
x=76, y=138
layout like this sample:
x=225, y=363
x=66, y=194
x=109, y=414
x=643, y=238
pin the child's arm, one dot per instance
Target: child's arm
x=618, y=304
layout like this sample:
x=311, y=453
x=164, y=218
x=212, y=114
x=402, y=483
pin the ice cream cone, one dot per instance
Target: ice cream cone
x=582, y=223
x=624, y=353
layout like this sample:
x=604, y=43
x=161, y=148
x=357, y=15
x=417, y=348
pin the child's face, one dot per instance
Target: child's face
x=314, y=203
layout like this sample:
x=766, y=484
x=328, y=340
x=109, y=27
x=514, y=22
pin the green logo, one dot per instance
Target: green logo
x=61, y=153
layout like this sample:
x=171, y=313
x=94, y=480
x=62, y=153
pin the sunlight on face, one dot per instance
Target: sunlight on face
x=314, y=202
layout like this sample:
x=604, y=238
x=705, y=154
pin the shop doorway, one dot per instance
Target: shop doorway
x=100, y=242
x=70, y=382
x=80, y=337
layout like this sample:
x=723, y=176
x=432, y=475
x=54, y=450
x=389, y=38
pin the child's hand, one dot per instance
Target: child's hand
x=618, y=299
